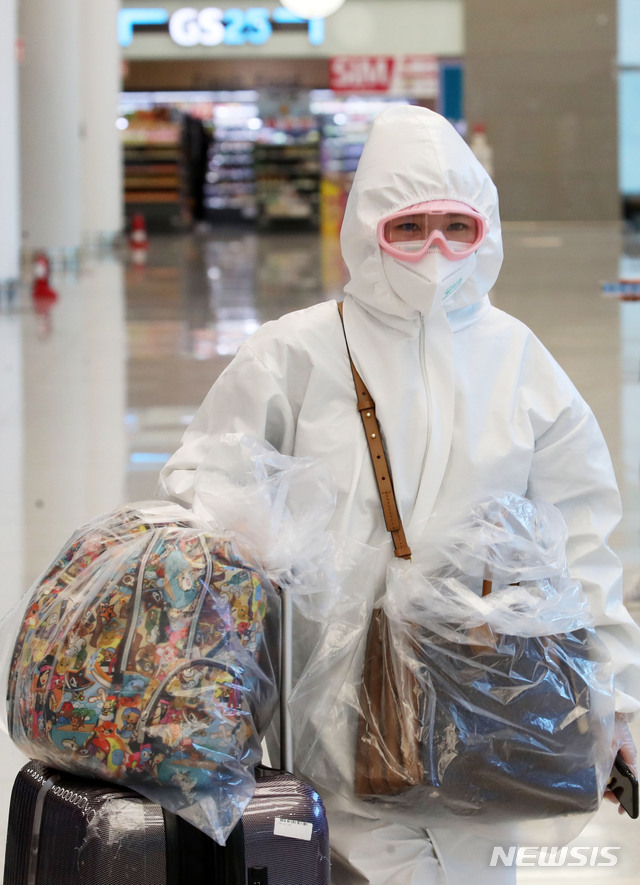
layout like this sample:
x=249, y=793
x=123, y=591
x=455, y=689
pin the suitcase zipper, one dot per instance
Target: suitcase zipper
x=45, y=785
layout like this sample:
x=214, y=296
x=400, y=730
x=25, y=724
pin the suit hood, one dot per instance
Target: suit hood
x=413, y=155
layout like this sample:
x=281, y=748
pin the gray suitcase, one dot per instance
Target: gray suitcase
x=68, y=830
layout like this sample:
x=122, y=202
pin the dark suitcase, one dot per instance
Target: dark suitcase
x=67, y=830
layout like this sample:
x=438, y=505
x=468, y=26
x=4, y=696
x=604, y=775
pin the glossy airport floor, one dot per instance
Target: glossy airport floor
x=95, y=393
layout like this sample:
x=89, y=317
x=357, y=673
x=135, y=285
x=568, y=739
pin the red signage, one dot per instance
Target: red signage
x=361, y=73
x=408, y=75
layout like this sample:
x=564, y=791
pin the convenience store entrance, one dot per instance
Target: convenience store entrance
x=268, y=157
x=279, y=153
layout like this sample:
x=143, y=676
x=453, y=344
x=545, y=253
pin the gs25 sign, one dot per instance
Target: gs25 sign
x=213, y=26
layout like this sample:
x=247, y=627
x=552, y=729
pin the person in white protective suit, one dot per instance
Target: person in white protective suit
x=470, y=404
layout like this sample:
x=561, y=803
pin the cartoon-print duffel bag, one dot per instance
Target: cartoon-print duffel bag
x=146, y=655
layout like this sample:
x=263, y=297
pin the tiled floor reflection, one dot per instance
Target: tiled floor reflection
x=94, y=396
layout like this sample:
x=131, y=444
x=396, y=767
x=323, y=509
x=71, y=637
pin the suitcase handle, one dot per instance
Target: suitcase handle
x=286, y=655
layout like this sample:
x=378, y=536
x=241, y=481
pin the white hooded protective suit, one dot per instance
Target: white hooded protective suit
x=470, y=404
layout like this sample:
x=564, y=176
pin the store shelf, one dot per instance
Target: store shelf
x=344, y=122
x=229, y=189
x=288, y=181
x=140, y=198
x=155, y=169
x=268, y=157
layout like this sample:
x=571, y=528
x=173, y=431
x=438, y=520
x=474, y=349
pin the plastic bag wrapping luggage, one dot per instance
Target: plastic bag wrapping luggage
x=506, y=539
x=145, y=657
x=324, y=704
x=514, y=725
x=505, y=701
x=282, y=506
x=147, y=652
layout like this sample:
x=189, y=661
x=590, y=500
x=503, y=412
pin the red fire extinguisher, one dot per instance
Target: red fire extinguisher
x=138, y=241
x=43, y=296
x=41, y=291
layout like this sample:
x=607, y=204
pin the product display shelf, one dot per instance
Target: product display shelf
x=288, y=177
x=342, y=146
x=344, y=123
x=230, y=181
x=155, y=171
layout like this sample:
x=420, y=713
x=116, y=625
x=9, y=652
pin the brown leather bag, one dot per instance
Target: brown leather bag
x=388, y=751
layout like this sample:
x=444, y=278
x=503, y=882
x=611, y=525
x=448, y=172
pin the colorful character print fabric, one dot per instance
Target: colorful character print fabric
x=145, y=656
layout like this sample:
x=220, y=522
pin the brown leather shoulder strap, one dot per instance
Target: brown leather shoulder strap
x=367, y=409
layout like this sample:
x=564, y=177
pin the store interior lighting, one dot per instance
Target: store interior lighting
x=312, y=8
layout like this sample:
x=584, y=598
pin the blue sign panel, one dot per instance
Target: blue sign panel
x=213, y=26
x=129, y=18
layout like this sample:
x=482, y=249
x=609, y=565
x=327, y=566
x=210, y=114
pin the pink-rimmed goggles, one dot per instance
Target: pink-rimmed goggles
x=455, y=228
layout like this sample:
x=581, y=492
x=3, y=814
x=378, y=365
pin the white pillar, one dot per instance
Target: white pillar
x=11, y=462
x=9, y=166
x=102, y=215
x=74, y=401
x=105, y=393
x=55, y=429
x=50, y=125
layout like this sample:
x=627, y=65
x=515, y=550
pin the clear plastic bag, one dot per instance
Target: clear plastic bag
x=506, y=538
x=148, y=652
x=515, y=689
x=515, y=724
x=503, y=710
x=146, y=656
x=282, y=506
x=324, y=703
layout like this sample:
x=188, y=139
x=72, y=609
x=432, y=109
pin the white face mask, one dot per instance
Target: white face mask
x=427, y=283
